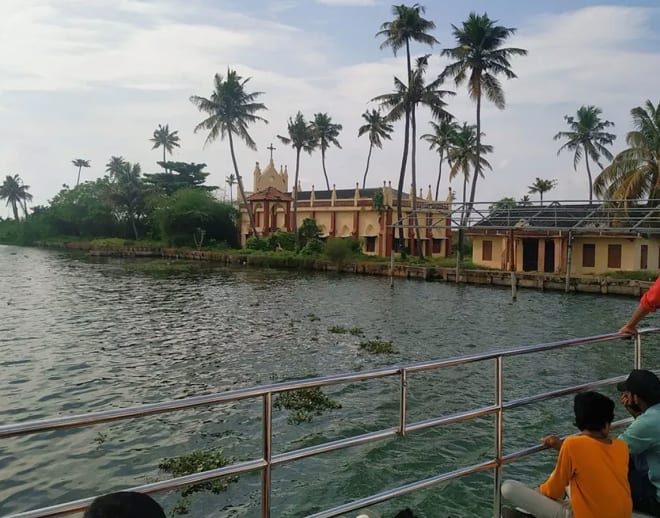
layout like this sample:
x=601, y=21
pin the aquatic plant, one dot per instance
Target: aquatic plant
x=339, y=330
x=377, y=346
x=304, y=404
x=356, y=331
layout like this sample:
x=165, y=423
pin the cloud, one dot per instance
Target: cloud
x=344, y=3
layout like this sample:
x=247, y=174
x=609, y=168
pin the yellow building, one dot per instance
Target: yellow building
x=344, y=213
x=536, y=239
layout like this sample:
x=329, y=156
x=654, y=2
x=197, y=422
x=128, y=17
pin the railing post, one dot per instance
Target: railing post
x=267, y=453
x=403, y=409
x=497, y=497
x=638, y=351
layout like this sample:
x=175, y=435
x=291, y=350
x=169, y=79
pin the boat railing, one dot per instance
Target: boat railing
x=265, y=463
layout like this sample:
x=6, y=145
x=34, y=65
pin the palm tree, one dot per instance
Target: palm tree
x=408, y=24
x=440, y=140
x=542, y=186
x=465, y=156
x=635, y=172
x=15, y=193
x=326, y=134
x=403, y=102
x=379, y=129
x=230, y=110
x=127, y=193
x=115, y=166
x=525, y=201
x=165, y=139
x=301, y=137
x=479, y=59
x=231, y=181
x=587, y=137
x=80, y=163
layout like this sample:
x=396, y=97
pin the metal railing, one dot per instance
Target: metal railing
x=268, y=459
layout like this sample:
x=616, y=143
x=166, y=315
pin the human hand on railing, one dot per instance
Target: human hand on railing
x=628, y=330
x=552, y=441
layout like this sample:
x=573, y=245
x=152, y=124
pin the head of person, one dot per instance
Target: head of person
x=594, y=412
x=125, y=504
x=643, y=387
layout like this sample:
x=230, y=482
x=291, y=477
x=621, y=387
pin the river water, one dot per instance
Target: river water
x=79, y=335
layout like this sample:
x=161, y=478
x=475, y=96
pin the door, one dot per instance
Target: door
x=530, y=255
x=549, y=258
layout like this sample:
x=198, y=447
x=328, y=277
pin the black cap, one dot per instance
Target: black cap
x=643, y=383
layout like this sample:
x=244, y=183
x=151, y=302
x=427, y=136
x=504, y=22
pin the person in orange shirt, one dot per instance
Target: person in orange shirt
x=592, y=465
x=649, y=303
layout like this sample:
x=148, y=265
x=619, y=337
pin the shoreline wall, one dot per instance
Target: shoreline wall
x=601, y=285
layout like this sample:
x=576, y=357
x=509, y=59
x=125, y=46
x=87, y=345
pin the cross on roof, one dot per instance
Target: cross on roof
x=271, y=150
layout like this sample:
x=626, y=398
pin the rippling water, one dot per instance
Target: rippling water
x=78, y=335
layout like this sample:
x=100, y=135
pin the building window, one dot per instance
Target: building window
x=487, y=250
x=644, y=258
x=370, y=244
x=588, y=255
x=437, y=246
x=614, y=256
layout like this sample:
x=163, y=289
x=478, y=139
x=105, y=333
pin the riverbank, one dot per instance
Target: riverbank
x=604, y=285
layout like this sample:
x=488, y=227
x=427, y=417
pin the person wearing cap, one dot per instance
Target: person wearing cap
x=649, y=303
x=124, y=504
x=640, y=394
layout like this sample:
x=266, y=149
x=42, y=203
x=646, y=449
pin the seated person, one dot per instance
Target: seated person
x=124, y=504
x=640, y=394
x=594, y=466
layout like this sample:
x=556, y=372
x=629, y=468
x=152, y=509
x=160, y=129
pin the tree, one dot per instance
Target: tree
x=326, y=134
x=15, y=193
x=504, y=204
x=181, y=175
x=231, y=181
x=301, y=136
x=80, y=163
x=378, y=129
x=128, y=195
x=542, y=186
x=478, y=59
x=635, y=172
x=165, y=139
x=115, y=166
x=230, y=111
x=408, y=24
x=525, y=201
x=440, y=140
x=403, y=102
x=587, y=137
x=465, y=156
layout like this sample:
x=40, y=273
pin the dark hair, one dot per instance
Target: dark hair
x=124, y=504
x=593, y=411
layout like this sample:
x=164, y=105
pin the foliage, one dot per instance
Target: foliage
x=286, y=240
x=80, y=163
x=180, y=176
x=307, y=231
x=165, y=138
x=339, y=330
x=304, y=404
x=195, y=462
x=128, y=195
x=504, y=203
x=181, y=215
x=356, y=331
x=634, y=174
x=638, y=275
x=256, y=243
x=377, y=201
x=587, y=137
x=326, y=133
x=313, y=247
x=377, y=346
x=441, y=140
x=378, y=128
x=542, y=186
x=16, y=194
x=339, y=249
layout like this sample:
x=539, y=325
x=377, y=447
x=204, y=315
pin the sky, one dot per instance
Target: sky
x=93, y=78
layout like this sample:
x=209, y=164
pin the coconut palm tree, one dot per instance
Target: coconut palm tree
x=466, y=157
x=115, y=166
x=587, y=137
x=378, y=129
x=542, y=186
x=15, y=193
x=230, y=111
x=231, y=181
x=326, y=134
x=127, y=193
x=80, y=163
x=408, y=24
x=525, y=201
x=478, y=59
x=165, y=139
x=634, y=173
x=301, y=137
x=440, y=140
x=403, y=102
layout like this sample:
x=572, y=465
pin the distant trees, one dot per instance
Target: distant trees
x=16, y=194
x=180, y=176
x=441, y=140
x=378, y=128
x=79, y=163
x=231, y=181
x=542, y=186
x=166, y=139
x=326, y=133
x=587, y=138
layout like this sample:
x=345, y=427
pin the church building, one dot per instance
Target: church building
x=345, y=213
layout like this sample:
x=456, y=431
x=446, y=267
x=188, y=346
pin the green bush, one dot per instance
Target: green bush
x=255, y=243
x=308, y=230
x=313, y=247
x=304, y=404
x=339, y=249
x=286, y=240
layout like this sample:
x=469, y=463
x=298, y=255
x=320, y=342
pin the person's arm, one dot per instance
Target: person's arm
x=556, y=484
x=649, y=302
x=552, y=441
x=639, y=436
